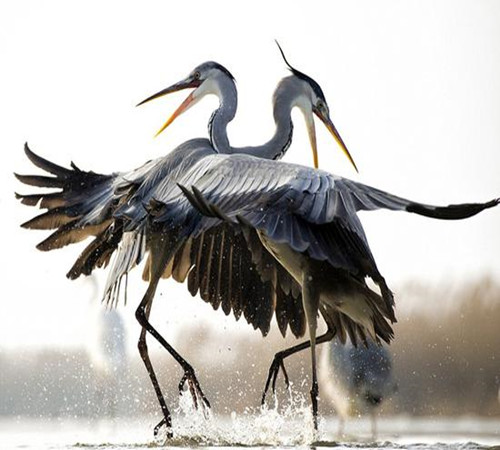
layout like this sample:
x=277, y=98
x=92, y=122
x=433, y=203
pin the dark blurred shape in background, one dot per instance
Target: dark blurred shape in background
x=357, y=380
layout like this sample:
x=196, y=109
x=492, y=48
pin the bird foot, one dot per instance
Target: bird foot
x=194, y=388
x=161, y=423
x=272, y=376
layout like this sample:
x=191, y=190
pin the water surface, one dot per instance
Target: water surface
x=260, y=430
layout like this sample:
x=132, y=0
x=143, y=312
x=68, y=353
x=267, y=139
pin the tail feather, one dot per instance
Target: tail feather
x=381, y=326
x=343, y=326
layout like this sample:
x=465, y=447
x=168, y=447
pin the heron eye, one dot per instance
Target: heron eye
x=197, y=75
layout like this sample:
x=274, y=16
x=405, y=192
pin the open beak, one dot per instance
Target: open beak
x=331, y=128
x=187, y=83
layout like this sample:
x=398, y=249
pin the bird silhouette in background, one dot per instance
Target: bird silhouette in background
x=356, y=380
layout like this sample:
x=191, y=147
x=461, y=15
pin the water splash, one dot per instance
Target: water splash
x=279, y=425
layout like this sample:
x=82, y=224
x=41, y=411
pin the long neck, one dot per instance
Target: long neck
x=217, y=125
x=275, y=148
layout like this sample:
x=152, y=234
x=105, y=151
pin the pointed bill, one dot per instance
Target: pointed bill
x=185, y=105
x=331, y=128
x=187, y=83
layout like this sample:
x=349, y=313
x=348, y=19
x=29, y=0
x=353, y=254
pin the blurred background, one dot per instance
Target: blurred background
x=445, y=360
x=414, y=90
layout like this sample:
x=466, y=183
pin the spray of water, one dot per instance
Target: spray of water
x=289, y=424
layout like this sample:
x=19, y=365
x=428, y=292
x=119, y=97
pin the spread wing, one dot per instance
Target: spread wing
x=115, y=208
x=83, y=205
x=310, y=210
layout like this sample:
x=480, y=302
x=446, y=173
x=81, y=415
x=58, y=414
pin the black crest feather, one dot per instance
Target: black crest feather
x=315, y=86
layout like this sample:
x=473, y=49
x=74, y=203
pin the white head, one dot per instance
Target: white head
x=305, y=93
x=209, y=78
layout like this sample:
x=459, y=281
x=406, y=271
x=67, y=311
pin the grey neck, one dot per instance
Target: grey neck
x=217, y=125
x=276, y=147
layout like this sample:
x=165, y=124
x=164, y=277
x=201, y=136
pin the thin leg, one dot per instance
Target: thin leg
x=189, y=374
x=310, y=298
x=160, y=258
x=142, y=314
x=278, y=361
x=143, y=351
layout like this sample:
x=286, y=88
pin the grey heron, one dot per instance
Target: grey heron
x=233, y=261
x=357, y=380
x=303, y=233
x=117, y=210
x=307, y=220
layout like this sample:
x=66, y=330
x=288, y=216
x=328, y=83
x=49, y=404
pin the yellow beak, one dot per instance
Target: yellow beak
x=184, y=84
x=331, y=128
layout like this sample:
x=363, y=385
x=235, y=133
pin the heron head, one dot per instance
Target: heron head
x=205, y=79
x=310, y=99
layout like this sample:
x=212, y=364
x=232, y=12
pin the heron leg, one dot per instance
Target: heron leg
x=159, y=261
x=142, y=315
x=160, y=257
x=189, y=373
x=278, y=361
x=310, y=298
x=143, y=351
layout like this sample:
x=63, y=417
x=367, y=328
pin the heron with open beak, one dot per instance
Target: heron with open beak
x=301, y=228
x=117, y=210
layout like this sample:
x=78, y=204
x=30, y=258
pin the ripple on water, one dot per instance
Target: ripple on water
x=282, y=426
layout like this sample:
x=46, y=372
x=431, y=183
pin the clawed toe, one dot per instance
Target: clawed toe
x=163, y=422
x=194, y=388
x=272, y=376
x=197, y=394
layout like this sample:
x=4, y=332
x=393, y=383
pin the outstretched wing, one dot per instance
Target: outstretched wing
x=78, y=205
x=83, y=206
x=115, y=210
x=109, y=207
x=310, y=210
x=289, y=203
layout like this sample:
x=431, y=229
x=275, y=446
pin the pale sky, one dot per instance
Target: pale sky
x=413, y=88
